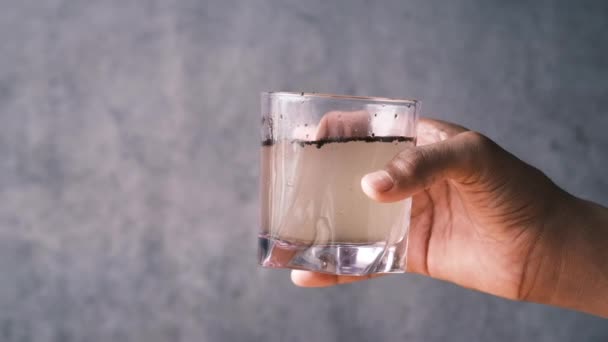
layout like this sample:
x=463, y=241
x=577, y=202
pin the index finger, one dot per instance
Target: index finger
x=431, y=131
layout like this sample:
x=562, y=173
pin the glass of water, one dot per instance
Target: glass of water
x=315, y=150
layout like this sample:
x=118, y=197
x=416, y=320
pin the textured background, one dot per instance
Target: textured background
x=128, y=157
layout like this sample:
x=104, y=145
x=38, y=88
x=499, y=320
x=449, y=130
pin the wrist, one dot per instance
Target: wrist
x=573, y=266
x=544, y=264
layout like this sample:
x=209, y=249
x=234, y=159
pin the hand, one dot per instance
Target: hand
x=481, y=218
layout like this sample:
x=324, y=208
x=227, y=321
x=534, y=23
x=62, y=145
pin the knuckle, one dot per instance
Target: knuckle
x=407, y=164
x=480, y=144
x=476, y=138
x=484, y=156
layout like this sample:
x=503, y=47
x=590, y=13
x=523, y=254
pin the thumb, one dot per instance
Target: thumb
x=463, y=158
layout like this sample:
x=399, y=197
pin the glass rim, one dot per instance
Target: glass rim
x=342, y=97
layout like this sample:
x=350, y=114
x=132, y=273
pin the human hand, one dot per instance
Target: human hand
x=481, y=218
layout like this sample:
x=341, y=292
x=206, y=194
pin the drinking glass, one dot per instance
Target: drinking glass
x=315, y=150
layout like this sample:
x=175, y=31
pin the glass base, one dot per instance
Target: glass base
x=343, y=259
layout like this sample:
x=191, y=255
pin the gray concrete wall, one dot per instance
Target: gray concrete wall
x=128, y=157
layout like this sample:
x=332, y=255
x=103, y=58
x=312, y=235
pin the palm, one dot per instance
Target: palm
x=476, y=237
x=455, y=247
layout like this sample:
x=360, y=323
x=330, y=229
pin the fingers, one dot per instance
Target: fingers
x=339, y=124
x=312, y=279
x=451, y=129
x=361, y=123
x=462, y=158
x=430, y=131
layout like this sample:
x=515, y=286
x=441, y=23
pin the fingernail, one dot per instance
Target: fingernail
x=380, y=181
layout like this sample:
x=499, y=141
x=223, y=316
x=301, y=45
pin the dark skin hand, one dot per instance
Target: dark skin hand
x=485, y=220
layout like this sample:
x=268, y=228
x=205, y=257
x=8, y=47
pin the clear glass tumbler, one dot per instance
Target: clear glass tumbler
x=315, y=150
